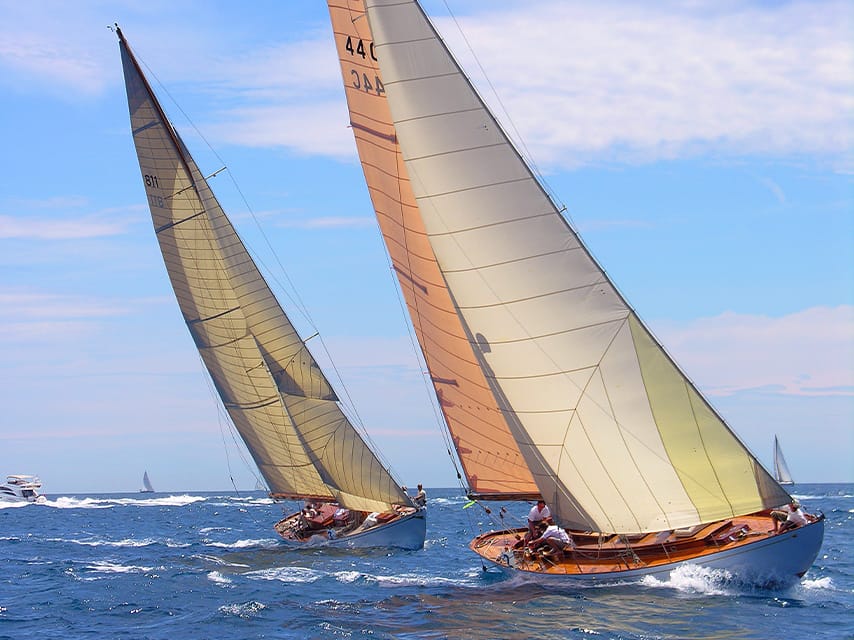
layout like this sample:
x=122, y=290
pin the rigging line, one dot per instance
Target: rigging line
x=420, y=355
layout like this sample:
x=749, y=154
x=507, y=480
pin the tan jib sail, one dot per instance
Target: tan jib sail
x=491, y=460
x=275, y=393
x=615, y=435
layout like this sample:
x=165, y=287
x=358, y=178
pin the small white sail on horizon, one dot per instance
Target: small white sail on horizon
x=146, y=484
x=781, y=469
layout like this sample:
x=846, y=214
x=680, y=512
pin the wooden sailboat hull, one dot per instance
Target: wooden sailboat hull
x=755, y=556
x=404, y=532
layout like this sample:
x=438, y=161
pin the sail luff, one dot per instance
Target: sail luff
x=616, y=436
x=491, y=460
x=260, y=366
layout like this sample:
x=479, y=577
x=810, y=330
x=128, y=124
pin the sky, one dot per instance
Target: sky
x=703, y=150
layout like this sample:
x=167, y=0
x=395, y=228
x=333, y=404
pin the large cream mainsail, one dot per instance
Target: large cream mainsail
x=615, y=435
x=491, y=460
x=275, y=393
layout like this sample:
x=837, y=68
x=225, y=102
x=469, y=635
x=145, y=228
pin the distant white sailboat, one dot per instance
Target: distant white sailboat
x=146, y=484
x=781, y=469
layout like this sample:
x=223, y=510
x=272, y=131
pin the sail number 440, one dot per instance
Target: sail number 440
x=359, y=49
x=361, y=80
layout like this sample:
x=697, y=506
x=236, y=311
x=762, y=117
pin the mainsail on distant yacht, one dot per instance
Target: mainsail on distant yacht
x=271, y=386
x=146, y=484
x=549, y=383
x=781, y=469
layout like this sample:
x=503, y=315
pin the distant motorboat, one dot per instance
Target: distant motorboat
x=22, y=488
x=146, y=484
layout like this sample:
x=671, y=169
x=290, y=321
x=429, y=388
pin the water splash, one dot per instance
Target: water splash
x=218, y=578
x=286, y=574
x=243, y=610
x=693, y=579
x=819, y=583
x=246, y=544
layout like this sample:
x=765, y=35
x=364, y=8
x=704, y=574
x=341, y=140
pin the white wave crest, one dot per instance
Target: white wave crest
x=127, y=542
x=244, y=610
x=103, y=566
x=212, y=529
x=13, y=505
x=217, y=577
x=414, y=579
x=68, y=502
x=819, y=583
x=245, y=500
x=286, y=574
x=265, y=543
x=219, y=561
x=459, y=500
x=693, y=579
x=349, y=577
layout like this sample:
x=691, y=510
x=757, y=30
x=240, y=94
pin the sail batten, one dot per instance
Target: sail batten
x=278, y=399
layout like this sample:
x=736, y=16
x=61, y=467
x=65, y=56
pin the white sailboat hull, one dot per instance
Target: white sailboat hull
x=407, y=532
x=777, y=560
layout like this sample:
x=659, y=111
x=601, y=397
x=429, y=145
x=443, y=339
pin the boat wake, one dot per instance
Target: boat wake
x=818, y=583
x=108, y=503
x=246, y=544
x=694, y=579
x=14, y=505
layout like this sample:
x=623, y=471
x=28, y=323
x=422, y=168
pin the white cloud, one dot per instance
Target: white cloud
x=584, y=82
x=810, y=352
x=307, y=126
x=30, y=305
x=639, y=82
x=54, y=229
x=53, y=61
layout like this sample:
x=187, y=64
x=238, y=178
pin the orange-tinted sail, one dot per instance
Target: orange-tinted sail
x=491, y=460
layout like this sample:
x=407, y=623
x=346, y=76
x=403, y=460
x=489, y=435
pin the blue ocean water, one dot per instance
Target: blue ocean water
x=208, y=565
